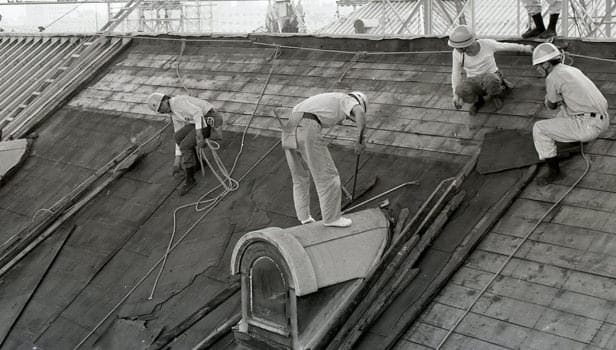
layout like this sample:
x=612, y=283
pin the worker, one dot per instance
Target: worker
x=476, y=58
x=307, y=154
x=194, y=120
x=533, y=7
x=582, y=114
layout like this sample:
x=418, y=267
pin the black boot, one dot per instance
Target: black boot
x=475, y=107
x=189, y=180
x=553, y=172
x=551, y=31
x=539, y=27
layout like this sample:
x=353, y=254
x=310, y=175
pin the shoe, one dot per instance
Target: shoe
x=532, y=33
x=308, y=221
x=549, y=33
x=498, y=102
x=189, y=181
x=341, y=222
x=553, y=172
x=475, y=107
x=539, y=27
x=551, y=30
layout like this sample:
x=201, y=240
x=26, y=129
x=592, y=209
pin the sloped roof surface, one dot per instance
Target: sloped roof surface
x=63, y=291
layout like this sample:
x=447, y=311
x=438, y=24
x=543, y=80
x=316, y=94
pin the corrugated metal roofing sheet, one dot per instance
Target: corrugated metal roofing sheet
x=493, y=17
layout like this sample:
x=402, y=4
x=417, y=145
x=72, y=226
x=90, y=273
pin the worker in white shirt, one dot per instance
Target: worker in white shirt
x=582, y=108
x=307, y=154
x=194, y=120
x=533, y=7
x=475, y=57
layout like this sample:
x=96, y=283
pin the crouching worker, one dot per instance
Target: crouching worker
x=194, y=120
x=476, y=58
x=582, y=114
x=307, y=154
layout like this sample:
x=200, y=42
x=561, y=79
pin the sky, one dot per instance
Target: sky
x=222, y=16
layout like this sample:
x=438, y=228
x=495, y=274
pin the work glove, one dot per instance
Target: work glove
x=359, y=148
x=200, y=139
x=177, y=165
x=457, y=102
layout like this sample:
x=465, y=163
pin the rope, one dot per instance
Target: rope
x=220, y=172
x=502, y=267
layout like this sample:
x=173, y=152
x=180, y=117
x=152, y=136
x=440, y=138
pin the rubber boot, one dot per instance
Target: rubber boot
x=551, y=31
x=553, y=172
x=475, y=107
x=539, y=27
x=189, y=180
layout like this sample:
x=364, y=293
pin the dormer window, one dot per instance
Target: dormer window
x=269, y=296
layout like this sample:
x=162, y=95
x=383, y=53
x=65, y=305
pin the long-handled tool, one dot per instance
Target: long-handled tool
x=355, y=177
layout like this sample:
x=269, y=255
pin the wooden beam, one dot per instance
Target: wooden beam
x=167, y=337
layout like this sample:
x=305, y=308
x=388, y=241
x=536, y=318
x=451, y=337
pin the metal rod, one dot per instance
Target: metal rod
x=380, y=195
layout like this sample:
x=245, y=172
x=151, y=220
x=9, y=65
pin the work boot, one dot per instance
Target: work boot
x=475, y=107
x=551, y=31
x=539, y=27
x=553, y=172
x=341, y=222
x=189, y=180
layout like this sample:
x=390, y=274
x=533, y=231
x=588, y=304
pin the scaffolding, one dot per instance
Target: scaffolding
x=164, y=16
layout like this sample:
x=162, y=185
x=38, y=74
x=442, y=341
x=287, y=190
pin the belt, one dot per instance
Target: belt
x=311, y=117
x=591, y=114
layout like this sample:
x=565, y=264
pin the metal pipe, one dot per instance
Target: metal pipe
x=380, y=195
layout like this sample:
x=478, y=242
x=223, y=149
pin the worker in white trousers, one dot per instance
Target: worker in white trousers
x=194, y=120
x=533, y=7
x=582, y=114
x=307, y=154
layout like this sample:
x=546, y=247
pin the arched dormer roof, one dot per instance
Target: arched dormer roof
x=319, y=256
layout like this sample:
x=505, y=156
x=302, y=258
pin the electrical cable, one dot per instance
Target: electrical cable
x=517, y=248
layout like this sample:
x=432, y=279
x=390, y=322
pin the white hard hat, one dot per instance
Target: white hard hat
x=460, y=37
x=545, y=52
x=361, y=98
x=154, y=101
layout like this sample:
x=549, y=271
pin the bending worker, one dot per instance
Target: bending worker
x=194, y=120
x=582, y=114
x=476, y=58
x=307, y=154
x=533, y=7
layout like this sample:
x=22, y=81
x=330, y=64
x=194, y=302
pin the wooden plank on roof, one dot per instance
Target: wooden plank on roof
x=578, y=197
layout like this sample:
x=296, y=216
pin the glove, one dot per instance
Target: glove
x=359, y=148
x=457, y=102
x=200, y=139
x=177, y=165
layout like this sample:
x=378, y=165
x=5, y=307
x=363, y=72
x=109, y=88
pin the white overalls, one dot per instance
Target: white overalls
x=582, y=115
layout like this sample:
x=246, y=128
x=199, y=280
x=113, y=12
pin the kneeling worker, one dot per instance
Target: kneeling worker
x=194, y=120
x=583, y=109
x=307, y=154
x=476, y=58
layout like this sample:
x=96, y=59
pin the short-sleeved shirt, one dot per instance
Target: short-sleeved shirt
x=575, y=90
x=331, y=107
x=188, y=110
x=481, y=63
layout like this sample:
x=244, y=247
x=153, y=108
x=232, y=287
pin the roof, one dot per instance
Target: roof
x=12, y=153
x=103, y=260
x=311, y=251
